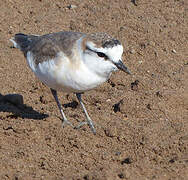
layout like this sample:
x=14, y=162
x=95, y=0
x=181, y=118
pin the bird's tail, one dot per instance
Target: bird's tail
x=21, y=41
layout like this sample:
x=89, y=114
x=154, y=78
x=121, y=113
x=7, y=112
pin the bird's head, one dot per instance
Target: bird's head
x=103, y=54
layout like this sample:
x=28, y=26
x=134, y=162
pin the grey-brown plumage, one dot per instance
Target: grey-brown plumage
x=103, y=40
x=47, y=46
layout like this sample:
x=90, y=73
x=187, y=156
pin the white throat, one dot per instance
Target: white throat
x=100, y=67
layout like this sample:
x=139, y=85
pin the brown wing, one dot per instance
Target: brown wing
x=47, y=46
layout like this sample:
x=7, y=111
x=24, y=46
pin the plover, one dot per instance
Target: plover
x=71, y=62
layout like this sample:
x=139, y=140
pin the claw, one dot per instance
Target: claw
x=66, y=122
x=80, y=125
x=90, y=125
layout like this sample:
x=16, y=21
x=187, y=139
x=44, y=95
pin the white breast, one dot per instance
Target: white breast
x=61, y=74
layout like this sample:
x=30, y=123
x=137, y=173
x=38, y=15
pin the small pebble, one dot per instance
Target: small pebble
x=156, y=54
x=116, y=107
x=121, y=28
x=126, y=161
x=132, y=51
x=152, y=43
x=148, y=106
x=158, y=93
x=174, y=51
x=117, y=153
x=172, y=161
x=121, y=176
x=134, y=85
x=110, y=132
x=71, y=6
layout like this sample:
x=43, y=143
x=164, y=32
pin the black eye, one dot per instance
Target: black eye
x=102, y=55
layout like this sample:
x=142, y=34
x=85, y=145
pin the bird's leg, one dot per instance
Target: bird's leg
x=89, y=121
x=64, y=120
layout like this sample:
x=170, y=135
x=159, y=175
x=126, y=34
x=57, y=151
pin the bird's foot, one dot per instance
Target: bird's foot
x=66, y=122
x=90, y=125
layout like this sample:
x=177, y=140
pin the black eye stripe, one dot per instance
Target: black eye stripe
x=100, y=54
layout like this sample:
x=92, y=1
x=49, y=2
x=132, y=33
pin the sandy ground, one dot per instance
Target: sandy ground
x=141, y=120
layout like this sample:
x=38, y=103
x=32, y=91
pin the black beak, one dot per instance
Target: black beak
x=122, y=67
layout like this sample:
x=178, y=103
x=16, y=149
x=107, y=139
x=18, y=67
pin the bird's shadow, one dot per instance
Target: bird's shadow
x=13, y=103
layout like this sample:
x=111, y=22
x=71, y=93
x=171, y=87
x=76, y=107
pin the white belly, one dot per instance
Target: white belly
x=65, y=77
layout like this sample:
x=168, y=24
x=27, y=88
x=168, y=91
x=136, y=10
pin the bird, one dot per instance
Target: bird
x=72, y=62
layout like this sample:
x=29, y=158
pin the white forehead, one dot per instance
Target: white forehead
x=114, y=53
